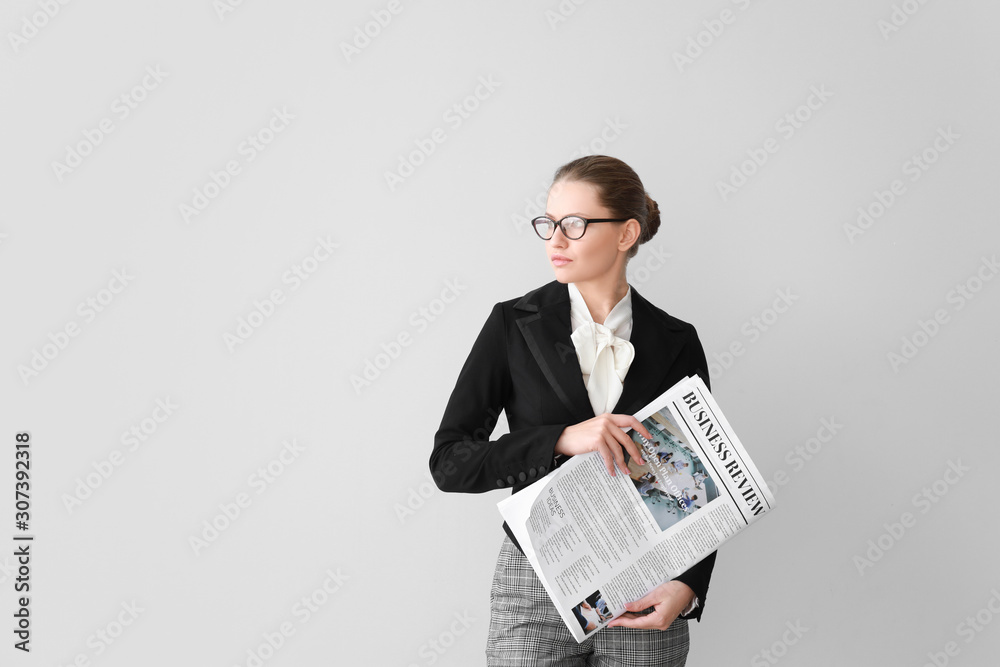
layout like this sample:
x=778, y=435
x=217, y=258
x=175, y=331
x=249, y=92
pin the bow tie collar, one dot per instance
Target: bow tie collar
x=604, y=356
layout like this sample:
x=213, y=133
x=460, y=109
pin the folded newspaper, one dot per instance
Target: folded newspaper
x=597, y=542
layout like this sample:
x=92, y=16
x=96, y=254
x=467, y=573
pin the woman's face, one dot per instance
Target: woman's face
x=597, y=251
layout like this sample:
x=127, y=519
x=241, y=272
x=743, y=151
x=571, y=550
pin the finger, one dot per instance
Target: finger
x=620, y=620
x=622, y=439
x=609, y=461
x=616, y=447
x=625, y=439
x=627, y=614
x=647, y=600
x=633, y=449
x=637, y=425
x=629, y=423
x=607, y=453
x=642, y=621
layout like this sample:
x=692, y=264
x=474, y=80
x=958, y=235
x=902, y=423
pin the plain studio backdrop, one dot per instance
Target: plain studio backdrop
x=245, y=248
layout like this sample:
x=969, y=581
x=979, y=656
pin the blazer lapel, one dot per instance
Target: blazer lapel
x=546, y=331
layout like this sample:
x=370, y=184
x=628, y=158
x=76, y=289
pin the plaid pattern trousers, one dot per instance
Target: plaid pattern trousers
x=526, y=630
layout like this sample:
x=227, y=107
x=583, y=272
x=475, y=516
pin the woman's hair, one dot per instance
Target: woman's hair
x=618, y=189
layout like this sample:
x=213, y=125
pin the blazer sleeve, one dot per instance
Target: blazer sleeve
x=464, y=459
x=698, y=576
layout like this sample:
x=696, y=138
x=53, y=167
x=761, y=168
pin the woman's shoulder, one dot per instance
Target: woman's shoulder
x=662, y=317
x=532, y=301
x=550, y=293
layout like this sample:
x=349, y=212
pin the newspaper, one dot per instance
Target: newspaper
x=598, y=541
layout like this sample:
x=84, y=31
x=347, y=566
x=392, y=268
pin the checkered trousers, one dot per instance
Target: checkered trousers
x=527, y=631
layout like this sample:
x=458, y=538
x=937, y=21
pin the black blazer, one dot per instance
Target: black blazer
x=524, y=362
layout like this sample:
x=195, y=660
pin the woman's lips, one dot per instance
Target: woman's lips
x=560, y=261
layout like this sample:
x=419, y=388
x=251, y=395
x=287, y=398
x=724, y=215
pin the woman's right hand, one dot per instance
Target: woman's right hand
x=603, y=434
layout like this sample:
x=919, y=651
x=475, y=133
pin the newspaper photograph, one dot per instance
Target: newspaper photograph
x=598, y=541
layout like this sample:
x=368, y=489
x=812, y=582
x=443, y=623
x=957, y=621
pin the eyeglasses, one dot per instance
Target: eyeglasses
x=572, y=226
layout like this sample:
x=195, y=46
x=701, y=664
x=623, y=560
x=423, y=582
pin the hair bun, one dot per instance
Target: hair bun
x=652, y=217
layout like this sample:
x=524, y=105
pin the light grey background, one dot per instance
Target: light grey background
x=356, y=500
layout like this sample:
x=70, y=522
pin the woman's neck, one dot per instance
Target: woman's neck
x=602, y=296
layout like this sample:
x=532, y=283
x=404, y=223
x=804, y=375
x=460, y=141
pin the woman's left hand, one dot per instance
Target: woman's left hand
x=669, y=598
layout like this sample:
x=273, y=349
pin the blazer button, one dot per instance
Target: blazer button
x=521, y=476
x=532, y=472
x=499, y=482
x=541, y=470
x=510, y=479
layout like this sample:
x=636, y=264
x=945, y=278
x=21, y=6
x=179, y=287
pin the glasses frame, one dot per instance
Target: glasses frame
x=559, y=224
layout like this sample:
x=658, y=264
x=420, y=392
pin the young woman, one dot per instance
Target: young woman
x=570, y=362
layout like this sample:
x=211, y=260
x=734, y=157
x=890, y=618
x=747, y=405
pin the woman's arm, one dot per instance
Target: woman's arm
x=464, y=459
x=697, y=579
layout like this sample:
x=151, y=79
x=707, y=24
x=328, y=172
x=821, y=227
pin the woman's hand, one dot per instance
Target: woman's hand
x=670, y=599
x=603, y=434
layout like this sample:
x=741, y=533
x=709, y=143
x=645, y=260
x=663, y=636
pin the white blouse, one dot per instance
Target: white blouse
x=604, y=350
x=605, y=354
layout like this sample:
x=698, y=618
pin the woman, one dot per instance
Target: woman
x=570, y=362
x=587, y=616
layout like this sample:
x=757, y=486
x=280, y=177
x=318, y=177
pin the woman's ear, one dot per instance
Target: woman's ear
x=630, y=234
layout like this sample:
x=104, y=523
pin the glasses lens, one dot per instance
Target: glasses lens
x=573, y=226
x=544, y=227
